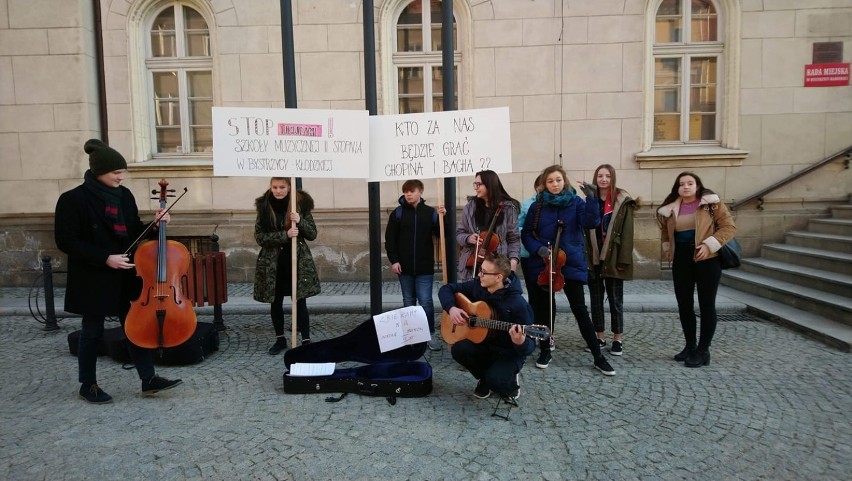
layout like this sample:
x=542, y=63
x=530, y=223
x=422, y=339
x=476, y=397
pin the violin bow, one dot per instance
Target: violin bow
x=155, y=221
x=476, y=252
x=550, y=287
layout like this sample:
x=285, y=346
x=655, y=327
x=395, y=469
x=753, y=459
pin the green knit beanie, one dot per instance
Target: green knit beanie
x=103, y=158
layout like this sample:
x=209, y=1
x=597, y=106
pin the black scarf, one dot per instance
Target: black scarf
x=280, y=208
x=112, y=198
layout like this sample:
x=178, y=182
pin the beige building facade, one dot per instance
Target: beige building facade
x=653, y=87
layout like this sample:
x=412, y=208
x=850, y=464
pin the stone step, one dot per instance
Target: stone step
x=831, y=226
x=808, y=257
x=818, y=327
x=841, y=211
x=832, y=306
x=816, y=240
x=827, y=281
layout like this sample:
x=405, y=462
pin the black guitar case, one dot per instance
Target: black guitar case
x=204, y=340
x=391, y=374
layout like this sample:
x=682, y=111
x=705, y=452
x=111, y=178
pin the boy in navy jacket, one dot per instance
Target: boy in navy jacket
x=411, y=251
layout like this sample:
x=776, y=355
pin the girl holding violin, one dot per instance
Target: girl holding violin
x=489, y=223
x=535, y=294
x=560, y=213
x=95, y=223
x=276, y=229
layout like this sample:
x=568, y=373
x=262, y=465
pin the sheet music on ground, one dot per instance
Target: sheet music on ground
x=305, y=369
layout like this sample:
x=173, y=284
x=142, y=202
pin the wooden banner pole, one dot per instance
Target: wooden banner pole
x=294, y=269
x=443, y=202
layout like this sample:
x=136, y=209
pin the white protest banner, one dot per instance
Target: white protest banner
x=257, y=142
x=401, y=327
x=440, y=144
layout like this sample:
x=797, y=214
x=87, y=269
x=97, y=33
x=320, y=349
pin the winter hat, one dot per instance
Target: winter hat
x=103, y=158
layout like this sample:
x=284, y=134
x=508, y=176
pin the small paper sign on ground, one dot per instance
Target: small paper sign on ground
x=401, y=327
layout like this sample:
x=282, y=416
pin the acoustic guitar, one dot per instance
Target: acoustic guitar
x=480, y=323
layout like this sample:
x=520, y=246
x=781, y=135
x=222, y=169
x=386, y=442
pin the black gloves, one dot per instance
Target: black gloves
x=590, y=190
x=543, y=251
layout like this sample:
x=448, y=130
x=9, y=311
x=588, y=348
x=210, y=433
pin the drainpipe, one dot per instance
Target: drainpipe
x=99, y=64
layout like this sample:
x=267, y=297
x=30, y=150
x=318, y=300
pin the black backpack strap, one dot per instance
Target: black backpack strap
x=332, y=399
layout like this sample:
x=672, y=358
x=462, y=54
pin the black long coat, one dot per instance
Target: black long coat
x=84, y=234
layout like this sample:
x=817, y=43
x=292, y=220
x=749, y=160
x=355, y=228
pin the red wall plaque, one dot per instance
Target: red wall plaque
x=826, y=74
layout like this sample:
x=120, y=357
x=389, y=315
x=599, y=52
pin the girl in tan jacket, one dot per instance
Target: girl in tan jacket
x=691, y=240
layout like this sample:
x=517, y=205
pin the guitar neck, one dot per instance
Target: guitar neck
x=476, y=321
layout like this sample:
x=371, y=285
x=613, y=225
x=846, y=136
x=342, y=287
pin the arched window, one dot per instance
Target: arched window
x=416, y=57
x=687, y=59
x=179, y=68
x=692, y=84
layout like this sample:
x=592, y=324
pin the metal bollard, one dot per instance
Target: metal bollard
x=47, y=272
x=218, y=320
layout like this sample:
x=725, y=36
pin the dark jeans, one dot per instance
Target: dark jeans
x=687, y=274
x=496, y=368
x=418, y=289
x=87, y=352
x=614, y=289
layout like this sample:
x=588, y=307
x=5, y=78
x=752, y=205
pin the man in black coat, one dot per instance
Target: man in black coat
x=95, y=223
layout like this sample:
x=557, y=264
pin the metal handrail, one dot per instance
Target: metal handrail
x=761, y=193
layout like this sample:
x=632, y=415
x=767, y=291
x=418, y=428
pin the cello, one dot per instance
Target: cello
x=488, y=242
x=161, y=316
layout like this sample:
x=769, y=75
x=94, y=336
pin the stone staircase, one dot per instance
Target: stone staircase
x=804, y=283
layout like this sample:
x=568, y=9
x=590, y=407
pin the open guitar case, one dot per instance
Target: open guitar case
x=391, y=374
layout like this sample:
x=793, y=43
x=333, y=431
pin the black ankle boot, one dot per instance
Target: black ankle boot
x=280, y=345
x=682, y=355
x=698, y=358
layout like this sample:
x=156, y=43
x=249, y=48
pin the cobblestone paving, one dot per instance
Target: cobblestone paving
x=644, y=286
x=772, y=405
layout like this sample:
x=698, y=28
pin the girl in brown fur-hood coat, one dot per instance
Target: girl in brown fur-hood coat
x=694, y=225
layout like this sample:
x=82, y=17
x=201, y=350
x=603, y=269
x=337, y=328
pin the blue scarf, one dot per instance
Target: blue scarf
x=562, y=199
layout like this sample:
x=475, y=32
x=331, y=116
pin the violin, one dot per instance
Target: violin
x=162, y=316
x=489, y=241
x=551, y=278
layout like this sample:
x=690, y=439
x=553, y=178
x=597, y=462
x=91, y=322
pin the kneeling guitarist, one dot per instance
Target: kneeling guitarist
x=497, y=359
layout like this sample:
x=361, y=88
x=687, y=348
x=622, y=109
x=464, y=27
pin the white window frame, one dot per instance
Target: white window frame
x=393, y=60
x=724, y=150
x=140, y=20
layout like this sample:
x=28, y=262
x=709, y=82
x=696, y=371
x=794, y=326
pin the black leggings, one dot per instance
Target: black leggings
x=577, y=300
x=687, y=274
x=283, y=288
x=614, y=289
x=302, y=317
x=538, y=299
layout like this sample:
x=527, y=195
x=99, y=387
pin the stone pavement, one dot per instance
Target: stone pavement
x=354, y=298
x=772, y=405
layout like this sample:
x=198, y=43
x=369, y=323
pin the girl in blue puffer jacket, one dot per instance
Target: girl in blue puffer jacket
x=556, y=206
